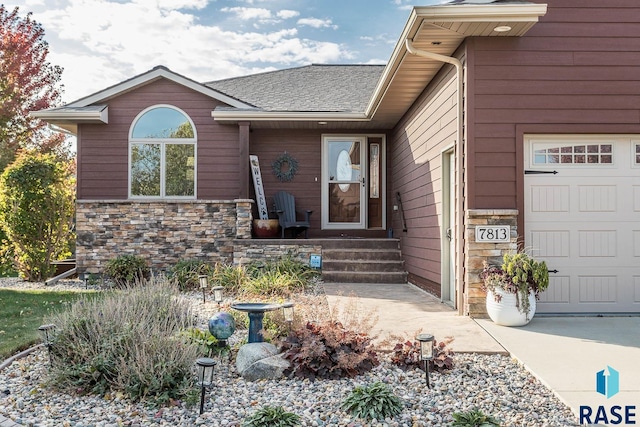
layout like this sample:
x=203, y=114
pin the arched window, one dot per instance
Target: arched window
x=162, y=154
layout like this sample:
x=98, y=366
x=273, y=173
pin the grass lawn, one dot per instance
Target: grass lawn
x=23, y=311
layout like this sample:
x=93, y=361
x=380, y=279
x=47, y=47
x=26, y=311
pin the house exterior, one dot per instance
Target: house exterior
x=492, y=125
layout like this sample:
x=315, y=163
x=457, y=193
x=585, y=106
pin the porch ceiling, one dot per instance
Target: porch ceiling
x=441, y=30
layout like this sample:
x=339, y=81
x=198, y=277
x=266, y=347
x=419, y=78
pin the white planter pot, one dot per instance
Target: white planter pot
x=505, y=312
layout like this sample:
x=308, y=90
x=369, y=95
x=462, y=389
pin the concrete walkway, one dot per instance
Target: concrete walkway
x=404, y=309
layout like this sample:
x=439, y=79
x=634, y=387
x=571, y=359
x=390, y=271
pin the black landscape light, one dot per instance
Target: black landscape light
x=217, y=295
x=47, y=332
x=204, y=371
x=426, y=352
x=204, y=282
x=287, y=312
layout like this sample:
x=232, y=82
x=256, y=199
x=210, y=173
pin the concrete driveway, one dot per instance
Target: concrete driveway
x=566, y=353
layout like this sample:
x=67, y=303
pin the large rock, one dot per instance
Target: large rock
x=260, y=361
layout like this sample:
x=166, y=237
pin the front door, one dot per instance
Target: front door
x=344, y=182
x=353, y=182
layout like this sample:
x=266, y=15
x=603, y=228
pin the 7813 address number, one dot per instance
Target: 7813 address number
x=493, y=233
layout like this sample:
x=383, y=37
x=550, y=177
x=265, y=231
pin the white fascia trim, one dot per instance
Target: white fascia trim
x=151, y=76
x=481, y=13
x=54, y=116
x=434, y=14
x=280, y=116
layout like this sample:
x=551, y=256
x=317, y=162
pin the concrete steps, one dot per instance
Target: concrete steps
x=363, y=261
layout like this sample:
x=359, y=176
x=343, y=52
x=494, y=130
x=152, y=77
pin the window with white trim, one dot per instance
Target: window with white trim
x=162, y=153
x=588, y=153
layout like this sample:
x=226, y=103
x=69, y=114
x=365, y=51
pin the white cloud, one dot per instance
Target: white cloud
x=247, y=13
x=287, y=14
x=317, y=23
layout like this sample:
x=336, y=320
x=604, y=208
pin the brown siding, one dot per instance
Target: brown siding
x=103, y=149
x=416, y=161
x=576, y=71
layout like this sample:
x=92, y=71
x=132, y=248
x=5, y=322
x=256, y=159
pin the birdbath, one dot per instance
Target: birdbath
x=256, y=311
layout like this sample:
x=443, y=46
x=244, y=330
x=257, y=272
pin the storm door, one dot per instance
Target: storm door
x=344, y=182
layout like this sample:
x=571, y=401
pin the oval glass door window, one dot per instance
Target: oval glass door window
x=343, y=170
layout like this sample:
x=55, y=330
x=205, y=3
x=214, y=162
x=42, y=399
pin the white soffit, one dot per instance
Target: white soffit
x=441, y=30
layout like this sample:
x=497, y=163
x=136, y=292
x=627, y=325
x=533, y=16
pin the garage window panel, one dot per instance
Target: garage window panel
x=591, y=154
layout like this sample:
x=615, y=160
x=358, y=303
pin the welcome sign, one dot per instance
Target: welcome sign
x=263, y=212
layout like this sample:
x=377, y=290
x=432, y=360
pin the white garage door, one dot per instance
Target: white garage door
x=582, y=216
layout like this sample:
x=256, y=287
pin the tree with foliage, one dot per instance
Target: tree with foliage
x=27, y=83
x=37, y=212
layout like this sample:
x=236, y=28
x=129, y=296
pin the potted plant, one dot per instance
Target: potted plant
x=513, y=288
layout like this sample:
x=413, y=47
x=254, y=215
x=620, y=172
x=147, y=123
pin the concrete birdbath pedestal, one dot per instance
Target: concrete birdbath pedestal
x=256, y=311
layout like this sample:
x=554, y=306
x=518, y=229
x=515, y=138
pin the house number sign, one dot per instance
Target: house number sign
x=493, y=233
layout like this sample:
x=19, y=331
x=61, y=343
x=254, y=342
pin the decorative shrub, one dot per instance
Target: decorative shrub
x=186, y=272
x=406, y=355
x=474, y=418
x=207, y=343
x=128, y=341
x=231, y=277
x=127, y=269
x=375, y=401
x=328, y=351
x=272, y=416
x=37, y=207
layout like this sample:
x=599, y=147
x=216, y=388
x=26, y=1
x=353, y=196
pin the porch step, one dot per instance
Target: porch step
x=363, y=261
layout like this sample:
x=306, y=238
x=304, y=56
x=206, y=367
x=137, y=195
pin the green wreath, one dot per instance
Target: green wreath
x=290, y=172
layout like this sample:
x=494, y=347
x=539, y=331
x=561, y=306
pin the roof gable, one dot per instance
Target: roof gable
x=149, y=77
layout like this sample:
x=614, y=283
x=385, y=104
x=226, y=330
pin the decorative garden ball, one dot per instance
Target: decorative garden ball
x=222, y=325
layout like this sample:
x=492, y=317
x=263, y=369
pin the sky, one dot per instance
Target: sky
x=100, y=43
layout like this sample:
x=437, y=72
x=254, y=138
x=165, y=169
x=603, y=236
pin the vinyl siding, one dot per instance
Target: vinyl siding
x=416, y=160
x=577, y=71
x=103, y=149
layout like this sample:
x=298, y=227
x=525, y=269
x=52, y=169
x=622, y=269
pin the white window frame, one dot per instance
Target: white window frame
x=163, y=142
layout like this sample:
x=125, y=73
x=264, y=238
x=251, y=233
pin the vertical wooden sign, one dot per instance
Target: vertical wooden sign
x=263, y=212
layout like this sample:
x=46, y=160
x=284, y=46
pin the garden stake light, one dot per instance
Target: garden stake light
x=426, y=352
x=205, y=367
x=287, y=312
x=217, y=295
x=204, y=281
x=47, y=332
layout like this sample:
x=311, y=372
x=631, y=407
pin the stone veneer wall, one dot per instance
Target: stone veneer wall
x=162, y=232
x=245, y=251
x=476, y=253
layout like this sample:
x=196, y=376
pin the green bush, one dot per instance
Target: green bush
x=127, y=270
x=186, y=272
x=130, y=341
x=375, y=401
x=270, y=416
x=231, y=277
x=474, y=418
x=36, y=213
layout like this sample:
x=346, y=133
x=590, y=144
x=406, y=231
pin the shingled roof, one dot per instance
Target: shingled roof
x=312, y=88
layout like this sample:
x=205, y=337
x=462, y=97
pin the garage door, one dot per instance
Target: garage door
x=582, y=216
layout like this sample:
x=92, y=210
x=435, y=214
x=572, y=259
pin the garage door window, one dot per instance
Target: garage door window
x=637, y=156
x=545, y=153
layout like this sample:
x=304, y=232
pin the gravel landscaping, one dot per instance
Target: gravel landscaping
x=495, y=384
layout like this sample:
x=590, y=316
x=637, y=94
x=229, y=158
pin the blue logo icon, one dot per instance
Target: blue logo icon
x=608, y=382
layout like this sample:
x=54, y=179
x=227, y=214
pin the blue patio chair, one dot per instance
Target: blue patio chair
x=287, y=216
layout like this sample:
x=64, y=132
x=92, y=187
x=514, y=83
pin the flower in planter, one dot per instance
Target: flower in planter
x=520, y=274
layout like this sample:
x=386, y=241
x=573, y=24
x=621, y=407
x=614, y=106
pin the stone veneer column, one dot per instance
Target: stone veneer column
x=476, y=253
x=244, y=218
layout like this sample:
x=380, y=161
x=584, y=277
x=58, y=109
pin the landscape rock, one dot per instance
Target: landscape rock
x=252, y=352
x=270, y=368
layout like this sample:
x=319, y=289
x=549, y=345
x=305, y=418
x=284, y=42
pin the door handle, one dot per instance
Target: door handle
x=449, y=236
